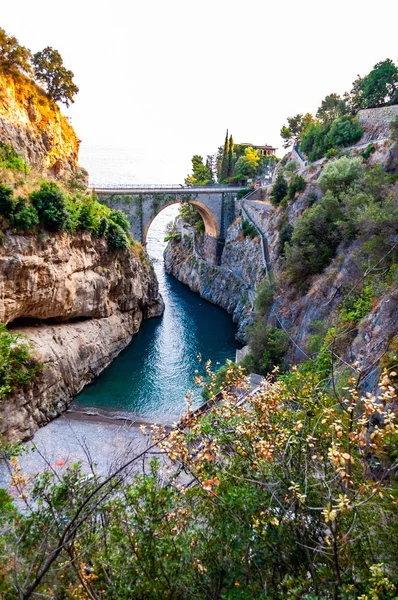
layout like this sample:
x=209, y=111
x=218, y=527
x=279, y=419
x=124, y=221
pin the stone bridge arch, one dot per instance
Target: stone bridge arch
x=209, y=219
x=141, y=204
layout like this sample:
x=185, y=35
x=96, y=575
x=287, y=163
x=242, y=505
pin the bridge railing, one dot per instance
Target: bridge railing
x=122, y=186
x=158, y=186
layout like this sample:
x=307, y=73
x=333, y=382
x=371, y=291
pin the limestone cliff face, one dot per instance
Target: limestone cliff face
x=33, y=125
x=301, y=313
x=83, y=302
x=230, y=285
x=68, y=276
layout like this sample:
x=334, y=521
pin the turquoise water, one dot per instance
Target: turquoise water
x=149, y=380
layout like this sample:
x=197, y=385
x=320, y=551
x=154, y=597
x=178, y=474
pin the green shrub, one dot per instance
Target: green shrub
x=264, y=297
x=248, y=229
x=344, y=131
x=368, y=151
x=7, y=201
x=297, y=184
x=332, y=153
x=375, y=224
x=285, y=236
x=272, y=498
x=190, y=214
x=102, y=228
x=200, y=226
x=279, y=190
x=173, y=236
x=314, y=241
x=319, y=138
x=357, y=305
x=313, y=141
x=24, y=216
x=291, y=167
x=17, y=366
x=89, y=218
x=51, y=205
x=73, y=208
x=375, y=181
x=268, y=346
x=339, y=174
x=117, y=237
x=243, y=192
x=118, y=217
x=10, y=159
x=77, y=182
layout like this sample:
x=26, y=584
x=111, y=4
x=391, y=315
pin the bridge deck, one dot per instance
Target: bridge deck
x=178, y=189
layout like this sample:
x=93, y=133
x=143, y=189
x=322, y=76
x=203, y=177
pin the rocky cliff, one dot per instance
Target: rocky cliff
x=33, y=125
x=230, y=285
x=302, y=314
x=80, y=303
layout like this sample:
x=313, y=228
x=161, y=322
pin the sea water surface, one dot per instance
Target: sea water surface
x=149, y=380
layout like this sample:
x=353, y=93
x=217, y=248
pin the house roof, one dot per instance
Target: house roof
x=264, y=147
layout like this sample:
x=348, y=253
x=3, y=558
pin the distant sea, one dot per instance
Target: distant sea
x=107, y=165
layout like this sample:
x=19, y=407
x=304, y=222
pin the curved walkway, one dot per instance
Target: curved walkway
x=263, y=239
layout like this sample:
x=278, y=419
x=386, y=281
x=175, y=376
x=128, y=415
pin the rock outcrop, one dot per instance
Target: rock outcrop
x=32, y=124
x=80, y=303
x=64, y=277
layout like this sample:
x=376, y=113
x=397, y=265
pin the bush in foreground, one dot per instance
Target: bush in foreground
x=290, y=495
x=18, y=368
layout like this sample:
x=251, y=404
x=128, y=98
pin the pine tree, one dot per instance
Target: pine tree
x=219, y=156
x=201, y=174
x=230, y=156
x=224, y=162
x=279, y=190
x=49, y=68
x=210, y=165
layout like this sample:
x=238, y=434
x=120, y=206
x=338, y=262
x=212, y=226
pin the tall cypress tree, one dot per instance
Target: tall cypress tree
x=224, y=162
x=230, y=156
x=219, y=156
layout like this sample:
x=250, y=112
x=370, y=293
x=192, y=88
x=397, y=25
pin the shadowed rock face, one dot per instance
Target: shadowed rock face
x=95, y=299
x=229, y=285
x=33, y=125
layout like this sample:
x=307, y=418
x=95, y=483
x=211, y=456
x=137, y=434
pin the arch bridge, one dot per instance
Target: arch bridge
x=141, y=204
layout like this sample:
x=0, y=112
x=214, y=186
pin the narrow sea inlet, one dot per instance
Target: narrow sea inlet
x=149, y=380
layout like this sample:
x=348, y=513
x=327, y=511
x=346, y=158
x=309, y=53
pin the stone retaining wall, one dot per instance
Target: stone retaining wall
x=376, y=122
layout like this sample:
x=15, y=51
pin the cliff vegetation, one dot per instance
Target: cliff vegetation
x=291, y=494
x=30, y=120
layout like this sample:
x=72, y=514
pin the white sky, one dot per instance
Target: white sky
x=167, y=77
